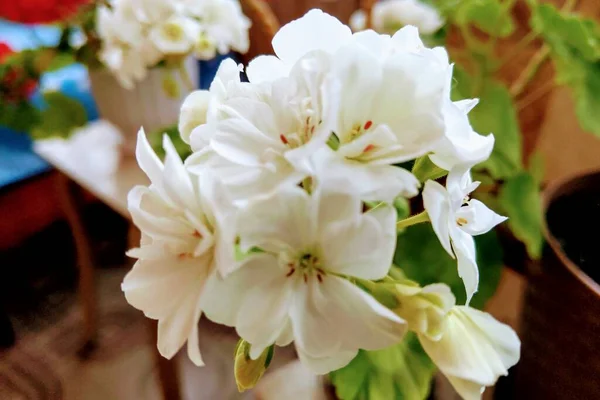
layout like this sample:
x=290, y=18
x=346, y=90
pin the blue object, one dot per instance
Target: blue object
x=208, y=69
x=17, y=160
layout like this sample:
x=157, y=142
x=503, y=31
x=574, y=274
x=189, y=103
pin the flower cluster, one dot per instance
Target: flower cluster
x=390, y=15
x=281, y=223
x=138, y=34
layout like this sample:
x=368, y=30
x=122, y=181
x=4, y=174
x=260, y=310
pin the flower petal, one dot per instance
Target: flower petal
x=464, y=248
x=480, y=219
x=266, y=69
x=316, y=30
x=437, y=204
x=324, y=365
x=278, y=222
x=362, y=247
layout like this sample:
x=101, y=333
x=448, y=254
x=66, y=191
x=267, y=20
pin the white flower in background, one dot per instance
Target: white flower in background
x=224, y=25
x=456, y=219
x=297, y=287
x=390, y=15
x=175, y=35
x=148, y=31
x=474, y=351
x=182, y=245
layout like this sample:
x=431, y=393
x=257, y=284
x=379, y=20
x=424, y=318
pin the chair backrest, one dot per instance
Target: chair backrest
x=265, y=21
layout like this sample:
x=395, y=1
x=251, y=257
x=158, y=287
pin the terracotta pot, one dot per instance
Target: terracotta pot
x=561, y=318
x=145, y=105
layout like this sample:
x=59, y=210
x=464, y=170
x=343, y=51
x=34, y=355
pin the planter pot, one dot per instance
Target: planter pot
x=561, y=317
x=145, y=105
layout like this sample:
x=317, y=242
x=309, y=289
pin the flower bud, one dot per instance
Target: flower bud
x=248, y=371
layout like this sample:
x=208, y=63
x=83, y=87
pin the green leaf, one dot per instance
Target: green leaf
x=60, y=61
x=60, y=117
x=537, y=167
x=521, y=200
x=399, y=372
x=20, y=116
x=495, y=114
x=567, y=29
x=156, y=138
x=490, y=16
x=425, y=169
x=422, y=258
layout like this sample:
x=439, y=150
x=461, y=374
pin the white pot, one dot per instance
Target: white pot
x=145, y=105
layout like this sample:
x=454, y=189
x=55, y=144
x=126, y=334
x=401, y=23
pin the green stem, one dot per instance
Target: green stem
x=413, y=220
x=529, y=72
x=516, y=50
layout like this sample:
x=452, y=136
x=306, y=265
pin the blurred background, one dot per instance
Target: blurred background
x=66, y=331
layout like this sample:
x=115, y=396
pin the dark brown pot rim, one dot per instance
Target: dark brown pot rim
x=553, y=191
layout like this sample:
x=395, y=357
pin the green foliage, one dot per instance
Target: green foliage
x=490, y=16
x=495, y=114
x=400, y=372
x=537, y=167
x=20, y=116
x=575, y=45
x=521, y=200
x=247, y=371
x=566, y=29
x=156, y=138
x=60, y=117
x=422, y=258
x=425, y=169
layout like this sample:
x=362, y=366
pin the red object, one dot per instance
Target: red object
x=39, y=11
x=14, y=85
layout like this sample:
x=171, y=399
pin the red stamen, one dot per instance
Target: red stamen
x=320, y=278
x=312, y=129
x=182, y=256
x=305, y=278
x=196, y=234
x=290, y=272
x=283, y=139
x=368, y=148
x=368, y=124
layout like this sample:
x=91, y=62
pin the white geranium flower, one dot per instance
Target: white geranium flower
x=297, y=287
x=391, y=15
x=224, y=25
x=175, y=35
x=456, y=219
x=474, y=351
x=184, y=241
x=261, y=133
x=461, y=144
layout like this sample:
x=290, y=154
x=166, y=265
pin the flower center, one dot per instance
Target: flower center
x=307, y=123
x=204, y=43
x=173, y=31
x=307, y=265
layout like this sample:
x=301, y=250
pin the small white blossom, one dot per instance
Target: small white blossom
x=456, y=219
x=390, y=15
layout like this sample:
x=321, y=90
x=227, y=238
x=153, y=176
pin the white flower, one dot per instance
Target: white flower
x=297, y=287
x=391, y=15
x=262, y=132
x=455, y=219
x=390, y=111
x=182, y=245
x=461, y=144
x=474, y=351
x=193, y=112
x=224, y=25
x=175, y=35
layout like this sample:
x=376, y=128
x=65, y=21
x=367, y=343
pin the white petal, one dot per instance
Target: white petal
x=147, y=159
x=474, y=350
x=335, y=315
x=266, y=69
x=437, y=204
x=362, y=247
x=377, y=44
x=324, y=365
x=316, y=30
x=358, y=20
x=464, y=248
x=278, y=223
x=176, y=180
x=335, y=206
x=193, y=113
x=480, y=218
